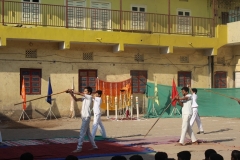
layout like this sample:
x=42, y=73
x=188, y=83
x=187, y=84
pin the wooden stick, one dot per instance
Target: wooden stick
x=40, y=98
x=161, y=115
x=224, y=95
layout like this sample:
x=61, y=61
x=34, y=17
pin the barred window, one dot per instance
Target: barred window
x=32, y=79
x=139, y=81
x=220, y=79
x=184, y=78
x=87, y=78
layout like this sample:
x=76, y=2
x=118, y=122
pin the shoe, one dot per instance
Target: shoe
x=179, y=144
x=77, y=150
x=200, y=132
x=91, y=149
x=195, y=143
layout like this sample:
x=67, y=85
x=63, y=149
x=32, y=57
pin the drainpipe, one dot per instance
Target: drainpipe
x=66, y=13
x=211, y=71
x=213, y=21
x=120, y=15
x=169, y=13
x=3, y=12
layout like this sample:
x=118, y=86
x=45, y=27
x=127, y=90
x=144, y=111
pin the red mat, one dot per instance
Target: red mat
x=60, y=151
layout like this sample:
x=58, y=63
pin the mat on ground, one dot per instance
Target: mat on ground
x=59, y=151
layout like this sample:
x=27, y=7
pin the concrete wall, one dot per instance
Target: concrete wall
x=233, y=32
x=62, y=65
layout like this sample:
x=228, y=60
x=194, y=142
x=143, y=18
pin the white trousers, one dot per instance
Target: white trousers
x=186, y=128
x=195, y=117
x=97, y=124
x=85, y=130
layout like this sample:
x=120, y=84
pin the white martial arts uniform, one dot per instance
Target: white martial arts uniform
x=186, y=116
x=86, y=117
x=97, y=123
x=195, y=116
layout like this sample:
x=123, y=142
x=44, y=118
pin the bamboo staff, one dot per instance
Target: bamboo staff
x=40, y=98
x=224, y=95
x=161, y=115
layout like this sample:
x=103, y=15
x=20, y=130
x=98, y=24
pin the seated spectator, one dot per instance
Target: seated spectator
x=215, y=156
x=71, y=157
x=208, y=152
x=238, y=155
x=161, y=156
x=234, y=154
x=136, y=157
x=184, y=155
x=118, y=158
x=26, y=156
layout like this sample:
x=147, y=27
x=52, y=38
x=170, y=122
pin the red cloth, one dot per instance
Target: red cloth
x=23, y=94
x=60, y=151
x=174, y=92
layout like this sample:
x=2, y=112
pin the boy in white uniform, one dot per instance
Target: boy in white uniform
x=195, y=116
x=97, y=123
x=86, y=117
x=186, y=104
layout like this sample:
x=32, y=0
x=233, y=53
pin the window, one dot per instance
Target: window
x=100, y=15
x=87, y=78
x=139, y=81
x=184, y=78
x=76, y=13
x=138, y=17
x=31, y=10
x=184, y=21
x=220, y=79
x=32, y=79
x=225, y=17
x=234, y=15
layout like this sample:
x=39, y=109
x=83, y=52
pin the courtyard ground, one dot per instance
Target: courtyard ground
x=221, y=134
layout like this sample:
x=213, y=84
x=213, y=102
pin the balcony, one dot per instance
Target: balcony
x=23, y=14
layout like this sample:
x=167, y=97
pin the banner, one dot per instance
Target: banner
x=122, y=90
x=210, y=102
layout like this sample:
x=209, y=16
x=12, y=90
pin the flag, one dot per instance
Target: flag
x=49, y=98
x=23, y=94
x=156, y=93
x=174, y=92
x=0, y=138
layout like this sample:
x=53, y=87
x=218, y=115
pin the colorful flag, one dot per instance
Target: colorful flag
x=156, y=93
x=49, y=98
x=174, y=92
x=23, y=94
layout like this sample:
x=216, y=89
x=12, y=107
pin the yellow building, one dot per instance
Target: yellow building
x=114, y=40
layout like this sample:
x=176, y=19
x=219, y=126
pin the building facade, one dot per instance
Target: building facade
x=114, y=40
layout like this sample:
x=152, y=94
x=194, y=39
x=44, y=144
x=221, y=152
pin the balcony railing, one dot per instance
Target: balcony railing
x=23, y=13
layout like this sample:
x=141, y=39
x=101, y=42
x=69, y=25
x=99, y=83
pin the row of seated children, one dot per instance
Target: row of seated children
x=210, y=154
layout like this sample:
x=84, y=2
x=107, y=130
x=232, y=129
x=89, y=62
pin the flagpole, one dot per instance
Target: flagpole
x=161, y=114
x=40, y=97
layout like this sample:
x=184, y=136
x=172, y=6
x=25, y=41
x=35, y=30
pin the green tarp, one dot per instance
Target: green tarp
x=212, y=102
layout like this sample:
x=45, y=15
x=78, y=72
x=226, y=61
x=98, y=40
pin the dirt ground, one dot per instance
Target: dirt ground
x=221, y=134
